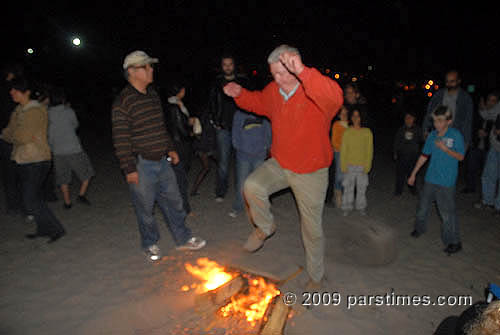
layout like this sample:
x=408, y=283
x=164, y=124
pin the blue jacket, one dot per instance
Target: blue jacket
x=251, y=135
x=463, y=114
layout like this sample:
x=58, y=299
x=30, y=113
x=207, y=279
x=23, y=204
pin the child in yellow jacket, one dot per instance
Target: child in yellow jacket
x=356, y=154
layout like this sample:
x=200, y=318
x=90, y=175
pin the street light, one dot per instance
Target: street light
x=30, y=51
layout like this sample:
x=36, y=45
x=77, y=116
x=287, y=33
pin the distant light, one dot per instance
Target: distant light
x=394, y=100
x=327, y=71
x=254, y=72
x=471, y=88
x=436, y=87
x=427, y=87
x=370, y=67
x=430, y=82
x=30, y=51
x=354, y=79
x=336, y=76
x=406, y=88
x=429, y=94
x=76, y=41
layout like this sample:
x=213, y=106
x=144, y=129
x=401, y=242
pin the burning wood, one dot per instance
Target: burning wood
x=229, y=293
x=211, y=301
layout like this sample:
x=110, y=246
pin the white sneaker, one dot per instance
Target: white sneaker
x=153, y=253
x=362, y=212
x=219, y=199
x=194, y=243
x=233, y=214
x=30, y=219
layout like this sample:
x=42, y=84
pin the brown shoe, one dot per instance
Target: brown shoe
x=256, y=240
x=312, y=285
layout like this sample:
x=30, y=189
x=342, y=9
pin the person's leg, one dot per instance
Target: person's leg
x=182, y=182
x=243, y=170
x=361, y=186
x=143, y=198
x=169, y=200
x=65, y=192
x=488, y=178
x=33, y=177
x=331, y=183
x=339, y=176
x=445, y=199
x=84, y=170
x=260, y=184
x=424, y=207
x=309, y=190
x=349, y=181
x=400, y=176
x=62, y=169
x=205, y=162
x=224, y=150
x=497, y=179
x=10, y=178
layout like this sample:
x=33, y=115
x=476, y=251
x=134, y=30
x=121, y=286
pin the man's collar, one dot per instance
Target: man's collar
x=290, y=94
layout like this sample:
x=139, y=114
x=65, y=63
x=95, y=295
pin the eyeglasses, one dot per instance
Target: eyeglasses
x=142, y=66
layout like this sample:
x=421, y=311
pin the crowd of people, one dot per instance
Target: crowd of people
x=39, y=149
x=301, y=131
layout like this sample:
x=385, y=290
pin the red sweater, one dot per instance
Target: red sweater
x=301, y=125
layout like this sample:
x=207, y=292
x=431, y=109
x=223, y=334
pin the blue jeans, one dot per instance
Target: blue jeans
x=445, y=199
x=244, y=167
x=224, y=150
x=157, y=183
x=339, y=175
x=491, y=174
x=32, y=178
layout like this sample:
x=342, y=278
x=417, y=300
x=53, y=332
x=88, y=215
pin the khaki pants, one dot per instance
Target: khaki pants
x=309, y=190
x=354, y=178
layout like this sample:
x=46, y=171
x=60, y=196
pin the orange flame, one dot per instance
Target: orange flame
x=210, y=272
x=252, y=304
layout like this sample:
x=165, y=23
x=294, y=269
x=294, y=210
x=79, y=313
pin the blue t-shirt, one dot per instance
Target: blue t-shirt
x=443, y=169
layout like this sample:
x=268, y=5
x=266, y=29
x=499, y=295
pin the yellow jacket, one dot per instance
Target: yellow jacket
x=356, y=149
x=27, y=131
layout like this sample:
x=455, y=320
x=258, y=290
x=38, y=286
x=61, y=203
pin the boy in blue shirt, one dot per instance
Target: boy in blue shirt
x=445, y=146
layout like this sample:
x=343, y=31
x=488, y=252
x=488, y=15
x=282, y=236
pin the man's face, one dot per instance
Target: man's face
x=409, y=120
x=491, y=101
x=452, y=81
x=143, y=74
x=281, y=76
x=227, y=65
x=350, y=95
x=440, y=123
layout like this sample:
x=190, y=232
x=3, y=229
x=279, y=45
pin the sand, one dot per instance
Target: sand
x=96, y=280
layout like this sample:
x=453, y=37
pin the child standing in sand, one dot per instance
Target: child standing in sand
x=446, y=148
x=356, y=154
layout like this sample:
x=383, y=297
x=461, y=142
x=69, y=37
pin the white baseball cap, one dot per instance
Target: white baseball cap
x=138, y=58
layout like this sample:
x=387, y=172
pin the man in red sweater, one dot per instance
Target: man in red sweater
x=300, y=103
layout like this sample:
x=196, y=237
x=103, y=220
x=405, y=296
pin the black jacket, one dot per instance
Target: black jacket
x=177, y=123
x=221, y=108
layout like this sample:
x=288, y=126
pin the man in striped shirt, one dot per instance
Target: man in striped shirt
x=146, y=152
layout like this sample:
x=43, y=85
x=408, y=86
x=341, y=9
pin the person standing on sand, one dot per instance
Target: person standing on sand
x=146, y=150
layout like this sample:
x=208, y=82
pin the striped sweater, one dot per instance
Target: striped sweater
x=139, y=128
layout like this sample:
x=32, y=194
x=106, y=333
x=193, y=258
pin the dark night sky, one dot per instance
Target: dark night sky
x=400, y=40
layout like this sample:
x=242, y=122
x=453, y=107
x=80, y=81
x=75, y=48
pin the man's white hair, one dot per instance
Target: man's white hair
x=274, y=56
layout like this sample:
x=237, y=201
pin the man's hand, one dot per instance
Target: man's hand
x=292, y=62
x=133, y=178
x=174, y=156
x=232, y=89
x=440, y=144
